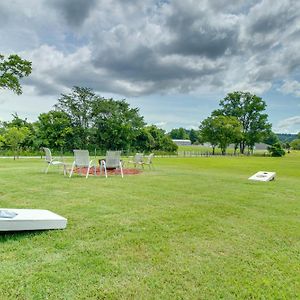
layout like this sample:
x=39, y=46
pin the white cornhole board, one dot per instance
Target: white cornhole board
x=30, y=219
x=263, y=176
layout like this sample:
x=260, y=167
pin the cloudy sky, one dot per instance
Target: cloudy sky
x=173, y=59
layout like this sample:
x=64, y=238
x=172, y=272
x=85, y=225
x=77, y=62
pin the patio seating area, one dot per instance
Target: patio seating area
x=111, y=164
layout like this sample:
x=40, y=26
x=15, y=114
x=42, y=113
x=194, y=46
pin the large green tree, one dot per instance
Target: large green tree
x=115, y=123
x=159, y=140
x=12, y=69
x=208, y=133
x=220, y=131
x=249, y=110
x=78, y=105
x=194, y=136
x=144, y=141
x=18, y=122
x=179, y=133
x=14, y=137
x=97, y=122
x=55, y=130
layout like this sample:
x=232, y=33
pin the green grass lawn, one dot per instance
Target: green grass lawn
x=192, y=228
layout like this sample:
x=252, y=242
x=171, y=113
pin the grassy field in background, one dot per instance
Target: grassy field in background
x=204, y=149
x=192, y=228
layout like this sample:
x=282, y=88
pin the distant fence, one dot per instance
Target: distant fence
x=98, y=152
x=209, y=154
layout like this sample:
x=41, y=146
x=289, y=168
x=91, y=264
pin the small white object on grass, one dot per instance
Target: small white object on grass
x=12, y=219
x=263, y=176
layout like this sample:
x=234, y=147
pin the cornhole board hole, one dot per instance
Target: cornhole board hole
x=30, y=219
x=263, y=176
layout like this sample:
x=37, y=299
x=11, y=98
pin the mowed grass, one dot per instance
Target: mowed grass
x=192, y=228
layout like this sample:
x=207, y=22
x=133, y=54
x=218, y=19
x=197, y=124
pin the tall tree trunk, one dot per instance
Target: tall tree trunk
x=242, y=147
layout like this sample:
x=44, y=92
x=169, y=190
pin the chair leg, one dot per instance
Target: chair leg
x=65, y=169
x=46, y=170
x=105, y=171
x=72, y=169
x=87, y=172
x=101, y=167
x=121, y=169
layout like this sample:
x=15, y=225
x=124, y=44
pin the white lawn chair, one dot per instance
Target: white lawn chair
x=137, y=160
x=51, y=161
x=82, y=160
x=149, y=162
x=112, y=161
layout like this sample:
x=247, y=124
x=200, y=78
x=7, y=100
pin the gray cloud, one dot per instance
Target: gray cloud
x=196, y=31
x=75, y=12
x=269, y=16
x=144, y=47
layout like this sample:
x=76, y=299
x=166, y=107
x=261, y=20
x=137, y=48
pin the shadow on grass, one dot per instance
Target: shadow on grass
x=19, y=235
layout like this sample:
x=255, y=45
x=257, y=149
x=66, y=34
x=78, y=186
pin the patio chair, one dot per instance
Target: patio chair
x=137, y=160
x=112, y=161
x=82, y=160
x=149, y=161
x=51, y=161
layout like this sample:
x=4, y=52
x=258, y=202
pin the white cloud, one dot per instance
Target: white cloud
x=161, y=124
x=289, y=125
x=291, y=87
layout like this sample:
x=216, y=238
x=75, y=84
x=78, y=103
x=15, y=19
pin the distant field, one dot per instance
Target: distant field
x=192, y=228
x=203, y=149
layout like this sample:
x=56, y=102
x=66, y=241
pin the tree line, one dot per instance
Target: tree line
x=84, y=120
x=241, y=120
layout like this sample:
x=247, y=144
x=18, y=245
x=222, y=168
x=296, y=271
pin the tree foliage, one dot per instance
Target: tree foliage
x=18, y=122
x=179, y=133
x=12, y=70
x=144, y=141
x=160, y=140
x=295, y=144
x=208, y=132
x=55, y=130
x=99, y=122
x=276, y=150
x=185, y=134
x=194, y=136
x=220, y=131
x=271, y=138
x=14, y=136
x=78, y=105
x=116, y=125
x=248, y=109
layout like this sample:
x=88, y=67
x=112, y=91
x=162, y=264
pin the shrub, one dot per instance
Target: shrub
x=296, y=144
x=276, y=150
